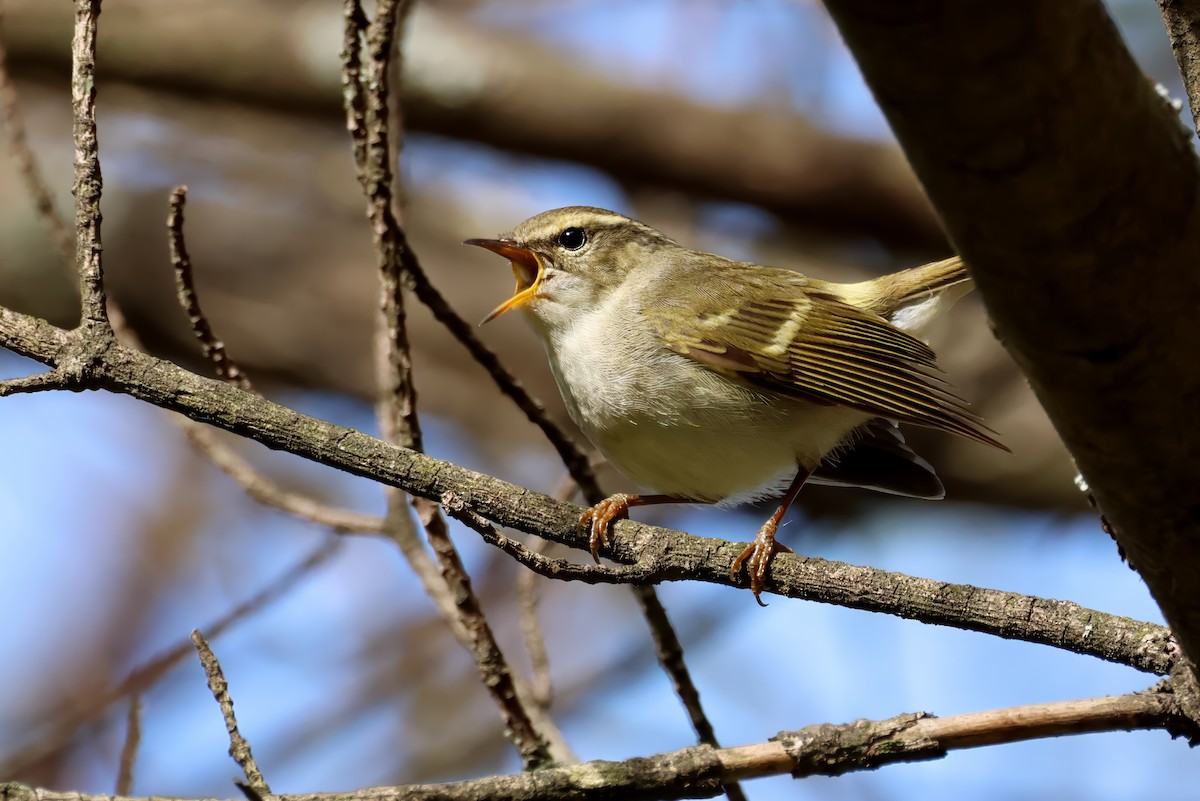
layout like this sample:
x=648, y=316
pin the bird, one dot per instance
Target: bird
x=707, y=380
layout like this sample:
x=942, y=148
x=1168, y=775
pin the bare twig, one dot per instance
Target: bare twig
x=560, y=569
x=255, y=484
x=669, y=651
x=88, y=183
x=370, y=126
x=819, y=750
x=493, y=668
x=527, y=602
x=667, y=647
x=214, y=349
x=18, y=143
x=129, y=749
x=358, y=115
x=239, y=747
x=40, y=382
x=367, y=122
x=353, y=99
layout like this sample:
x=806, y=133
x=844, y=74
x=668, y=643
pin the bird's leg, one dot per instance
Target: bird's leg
x=758, y=555
x=616, y=507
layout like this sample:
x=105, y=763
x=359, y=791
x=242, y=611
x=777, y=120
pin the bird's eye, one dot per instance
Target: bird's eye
x=572, y=238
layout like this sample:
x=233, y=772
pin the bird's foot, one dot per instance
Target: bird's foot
x=599, y=517
x=757, y=558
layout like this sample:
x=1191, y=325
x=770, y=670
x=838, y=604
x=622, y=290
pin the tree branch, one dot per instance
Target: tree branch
x=375, y=134
x=673, y=555
x=820, y=750
x=239, y=747
x=88, y=183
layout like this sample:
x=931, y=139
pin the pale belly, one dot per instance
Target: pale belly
x=717, y=465
x=676, y=428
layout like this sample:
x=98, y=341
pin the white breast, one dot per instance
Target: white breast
x=676, y=427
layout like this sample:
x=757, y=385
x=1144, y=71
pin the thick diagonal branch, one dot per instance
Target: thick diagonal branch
x=671, y=555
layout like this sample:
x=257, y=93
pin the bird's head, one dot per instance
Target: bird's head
x=567, y=261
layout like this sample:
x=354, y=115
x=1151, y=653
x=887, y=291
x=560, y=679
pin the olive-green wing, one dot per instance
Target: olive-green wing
x=775, y=330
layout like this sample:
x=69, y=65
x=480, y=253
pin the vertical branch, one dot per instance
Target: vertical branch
x=397, y=406
x=129, y=749
x=239, y=747
x=88, y=183
x=493, y=668
x=366, y=93
x=364, y=115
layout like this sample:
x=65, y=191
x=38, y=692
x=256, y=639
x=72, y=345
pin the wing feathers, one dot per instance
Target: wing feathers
x=776, y=331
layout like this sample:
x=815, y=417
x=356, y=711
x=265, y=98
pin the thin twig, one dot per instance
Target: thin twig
x=667, y=647
x=239, y=747
x=129, y=749
x=39, y=382
x=358, y=112
x=373, y=135
x=397, y=407
x=560, y=569
x=354, y=26
x=540, y=679
x=214, y=349
x=818, y=750
x=88, y=182
x=668, y=650
x=493, y=668
x=18, y=142
x=367, y=105
x=254, y=483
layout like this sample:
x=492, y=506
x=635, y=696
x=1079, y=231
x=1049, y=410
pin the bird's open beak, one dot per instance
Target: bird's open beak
x=526, y=267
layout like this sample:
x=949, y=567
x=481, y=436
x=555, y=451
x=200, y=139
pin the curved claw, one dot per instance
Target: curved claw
x=600, y=517
x=757, y=558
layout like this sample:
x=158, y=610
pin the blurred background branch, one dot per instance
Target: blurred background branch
x=468, y=80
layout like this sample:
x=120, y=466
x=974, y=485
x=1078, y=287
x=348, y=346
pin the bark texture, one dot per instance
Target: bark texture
x=1070, y=188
